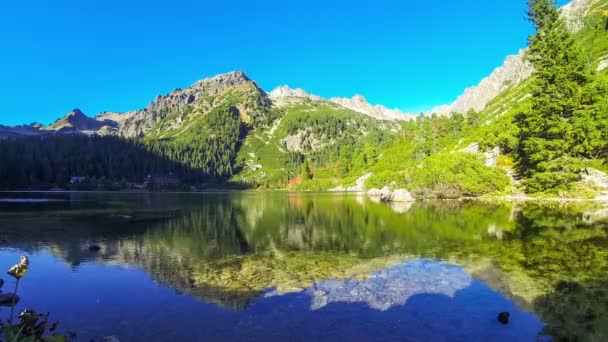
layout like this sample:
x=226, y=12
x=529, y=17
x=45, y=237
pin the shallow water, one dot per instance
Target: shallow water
x=325, y=267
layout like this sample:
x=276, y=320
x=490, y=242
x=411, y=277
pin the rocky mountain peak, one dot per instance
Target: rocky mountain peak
x=198, y=98
x=284, y=95
x=514, y=70
x=73, y=121
x=75, y=117
x=358, y=103
x=574, y=13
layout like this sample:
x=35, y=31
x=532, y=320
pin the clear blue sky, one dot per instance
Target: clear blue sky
x=117, y=55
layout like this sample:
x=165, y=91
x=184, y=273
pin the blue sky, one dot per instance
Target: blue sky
x=111, y=55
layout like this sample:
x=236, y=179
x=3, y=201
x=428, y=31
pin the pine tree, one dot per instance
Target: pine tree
x=306, y=172
x=547, y=133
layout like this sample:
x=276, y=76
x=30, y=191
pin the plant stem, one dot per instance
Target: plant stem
x=14, y=298
x=16, y=338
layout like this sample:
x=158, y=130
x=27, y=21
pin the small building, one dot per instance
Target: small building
x=161, y=180
x=77, y=179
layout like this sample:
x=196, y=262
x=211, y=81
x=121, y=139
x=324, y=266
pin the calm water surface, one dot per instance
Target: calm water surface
x=307, y=267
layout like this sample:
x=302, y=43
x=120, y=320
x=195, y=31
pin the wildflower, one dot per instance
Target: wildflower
x=19, y=270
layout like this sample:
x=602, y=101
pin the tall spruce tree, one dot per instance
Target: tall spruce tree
x=547, y=133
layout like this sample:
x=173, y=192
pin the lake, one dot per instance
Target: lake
x=275, y=266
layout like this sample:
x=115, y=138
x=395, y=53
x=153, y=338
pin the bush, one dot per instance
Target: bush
x=456, y=175
x=396, y=179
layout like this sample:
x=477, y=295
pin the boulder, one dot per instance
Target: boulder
x=503, y=317
x=492, y=157
x=374, y=192
x=384, y=194
x=472, y=148
x=401, y=195
x=596, y=177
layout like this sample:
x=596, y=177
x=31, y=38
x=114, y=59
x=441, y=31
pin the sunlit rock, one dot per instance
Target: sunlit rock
x=401, y=196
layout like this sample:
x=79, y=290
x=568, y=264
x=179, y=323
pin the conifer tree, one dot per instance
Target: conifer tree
x=547, y=133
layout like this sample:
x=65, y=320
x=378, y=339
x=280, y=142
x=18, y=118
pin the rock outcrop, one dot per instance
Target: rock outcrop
x=358, y=187
x=490, y=157
x=513, y=71
x=359, y=104
x=596, y=177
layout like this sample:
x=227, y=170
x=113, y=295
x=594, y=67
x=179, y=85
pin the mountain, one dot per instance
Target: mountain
x=175, y=112
x=223, y=128
x=21, y=130
x=515, y=68
x=357, y=103
x=75, y=122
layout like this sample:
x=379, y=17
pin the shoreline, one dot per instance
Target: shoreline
x=600, y=199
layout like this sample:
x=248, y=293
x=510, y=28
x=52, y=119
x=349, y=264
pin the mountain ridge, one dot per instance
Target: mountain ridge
x=137, y=123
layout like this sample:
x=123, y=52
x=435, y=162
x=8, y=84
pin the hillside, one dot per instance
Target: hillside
x=447, y=153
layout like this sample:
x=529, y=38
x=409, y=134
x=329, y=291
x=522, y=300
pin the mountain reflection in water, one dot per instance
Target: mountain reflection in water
x=393, y=286
x=344, y=257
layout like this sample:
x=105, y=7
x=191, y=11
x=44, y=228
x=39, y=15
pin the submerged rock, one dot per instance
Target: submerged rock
x=503, y=317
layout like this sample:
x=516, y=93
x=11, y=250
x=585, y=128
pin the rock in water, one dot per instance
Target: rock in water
x=503, y=317
x=401, y=196
x=94, y=248
x=383, y=194
x=7, y=299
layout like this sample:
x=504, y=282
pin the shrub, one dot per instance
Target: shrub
x=456, y=175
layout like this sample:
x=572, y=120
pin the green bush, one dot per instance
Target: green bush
x=456, y=175
x=380, y=179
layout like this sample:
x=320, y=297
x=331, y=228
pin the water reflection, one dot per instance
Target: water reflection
x=393, y=286
x=235, y=249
